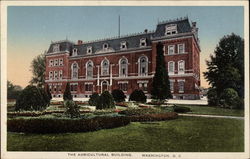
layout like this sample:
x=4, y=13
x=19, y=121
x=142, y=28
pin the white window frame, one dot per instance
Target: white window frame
x=92, y=69
x=143, y=40
x=55, y=62
x=171, y=29
x=171, y=84
x=121, y=67
x=179, y=67
x=173, y=49
x=51, y=63
x=105, y=48
x=74, y=52
x=72, y=70
x=60, y=74
x=169, y=71
x=56, y=47
x=55, y=75
x=51, y=75
x=89, y=50
x=74, y=84
x=61, y=62
x=102, y=67
x=140, y=66
x=123, y=43
x=183, y=51
x=179, y=88
x=142, y=85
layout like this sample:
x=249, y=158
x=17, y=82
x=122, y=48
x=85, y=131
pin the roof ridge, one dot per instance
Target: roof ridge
x=60, y=41
x=173, y=20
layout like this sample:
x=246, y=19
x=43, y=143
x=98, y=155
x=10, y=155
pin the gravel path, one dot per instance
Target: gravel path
x=213, y=116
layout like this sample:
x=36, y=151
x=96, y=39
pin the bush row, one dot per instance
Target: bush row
x=135, y=111
x=153, y=117
x=49, y=125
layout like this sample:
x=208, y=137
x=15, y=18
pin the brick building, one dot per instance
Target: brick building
x=127, y=62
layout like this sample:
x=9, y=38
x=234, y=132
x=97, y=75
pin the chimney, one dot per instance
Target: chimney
x=193, y=24
x=146, y=30
x=79, y=42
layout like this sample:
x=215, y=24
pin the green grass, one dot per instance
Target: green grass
x=185, y=134
x=214, y=111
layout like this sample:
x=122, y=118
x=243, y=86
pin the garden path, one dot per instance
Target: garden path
x=212, y=116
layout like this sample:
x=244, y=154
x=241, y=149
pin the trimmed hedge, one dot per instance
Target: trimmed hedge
x=153, y=117
x=136, y=111
x=179, y=109
x=49, y=125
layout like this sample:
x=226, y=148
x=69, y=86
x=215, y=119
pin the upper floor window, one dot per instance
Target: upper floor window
x=51, y=63
x=55, y=75
x=171, y=49
x=61, y=62
x=171, y=67
x=50, y=75
x=74, y=69
x=60, y=74
x=171, y=29
x=123, y=45
x=89, y=49
x=75, y=52
x=89, y=69
x=181, y=66
x=181, y=48
x=105, y=67
x=143, y=42
x=105, y=46
x=123, y=67
x=56, y=62
x=56, y=48
x=143, y=66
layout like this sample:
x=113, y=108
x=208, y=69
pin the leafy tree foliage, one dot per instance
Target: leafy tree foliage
x=13, y=90
x=67, y=94
x=229, y=98
x=93, y=100
x=72, y=109
x=138, y=96
x=105, y=101
x=212, y=97
x=118, y=95
x=48, y=93
x=38, y=70
x=161, y=84
x=32, y=98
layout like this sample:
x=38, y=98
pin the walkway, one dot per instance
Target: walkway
x=212, y=116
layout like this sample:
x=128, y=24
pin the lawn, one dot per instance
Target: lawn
x=214, y=111
x=185, y=134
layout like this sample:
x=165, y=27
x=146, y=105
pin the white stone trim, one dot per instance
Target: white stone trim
x=169, y=49
x=120, y=71
x=143, y=40
x=122, y=82
x=139, y=66
x=86, y=66
x=105, y=59
x=140, y=81
x=171, y=73
x=181, y=72
x=178, y=48
x=181, y=80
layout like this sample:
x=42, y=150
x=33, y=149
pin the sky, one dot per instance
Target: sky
x=32, y=28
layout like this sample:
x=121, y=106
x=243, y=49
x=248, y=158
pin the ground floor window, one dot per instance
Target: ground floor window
x=181, y=86
x=143, y=85
x=88, y=87
x=123, y=86
x=73, y=87
x=172, y=85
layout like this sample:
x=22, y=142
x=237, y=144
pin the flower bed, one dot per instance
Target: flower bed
x=122, y=104
x=48, y=125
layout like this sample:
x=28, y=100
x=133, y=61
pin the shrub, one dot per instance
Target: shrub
x=105, y=101
x=179, y=109
x=118, y=95
x=53, y=125
x=138, y=96
x=94, y=98
x=212, y=97
x=72, y=109
x=67, y=94
x=136, y=111
x=153, y=117
x=229, y=98
x=31, y=98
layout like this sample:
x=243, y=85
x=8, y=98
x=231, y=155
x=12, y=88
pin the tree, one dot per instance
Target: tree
x=48, y=93
x=105, y=101
x=13, y=90
x=93, y=100
x=161, y=84
x=67, y=94
x=226, y=66
x=72, y=109
x=118, y=95
x=38, y=70
x=138, y=96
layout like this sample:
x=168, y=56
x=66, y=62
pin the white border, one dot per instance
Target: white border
x=33, y=155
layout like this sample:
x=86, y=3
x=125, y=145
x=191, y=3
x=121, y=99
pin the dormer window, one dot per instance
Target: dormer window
x=105, y=46
x=75, y=52
x=171, y=29
x=89, y=49
x=56, y=48
x=123, y=45
x=143, y=42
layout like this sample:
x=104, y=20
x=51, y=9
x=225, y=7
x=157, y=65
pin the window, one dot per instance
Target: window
x=55, y=88
x=123, y=45
x=74, y=70
x=75, y=52
x=123, y=86
x=143, y=66
x=60, y=74
x=143, y=42
x=143, y=86
x=181, y=48
x=123, y=67
x=56, y=48
x=181, y=86
x=164, y=49
x=105, y=67
x=89, y=69
x=73, y=87
x=88, y=87
x=89, y=49
x=50, y=75
x=172, y=85
x=60, y=62
x=171, y=67
x=51, y=63
x=59, y=87
x=181, y=66
x=55, y=75
x=171, y=49
x=50, y=87
x=56, y=62
x=105, y=46
x=171, y=29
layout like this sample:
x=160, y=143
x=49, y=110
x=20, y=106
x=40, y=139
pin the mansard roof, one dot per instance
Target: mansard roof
x=132, y=41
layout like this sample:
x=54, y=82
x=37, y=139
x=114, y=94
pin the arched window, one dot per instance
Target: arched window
x=123, y=67
x=181, y=66
x=74, y=70
x=171, y=67
x=105, y=67
x=143, y=66
x=89, y=69
x=75, y=52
